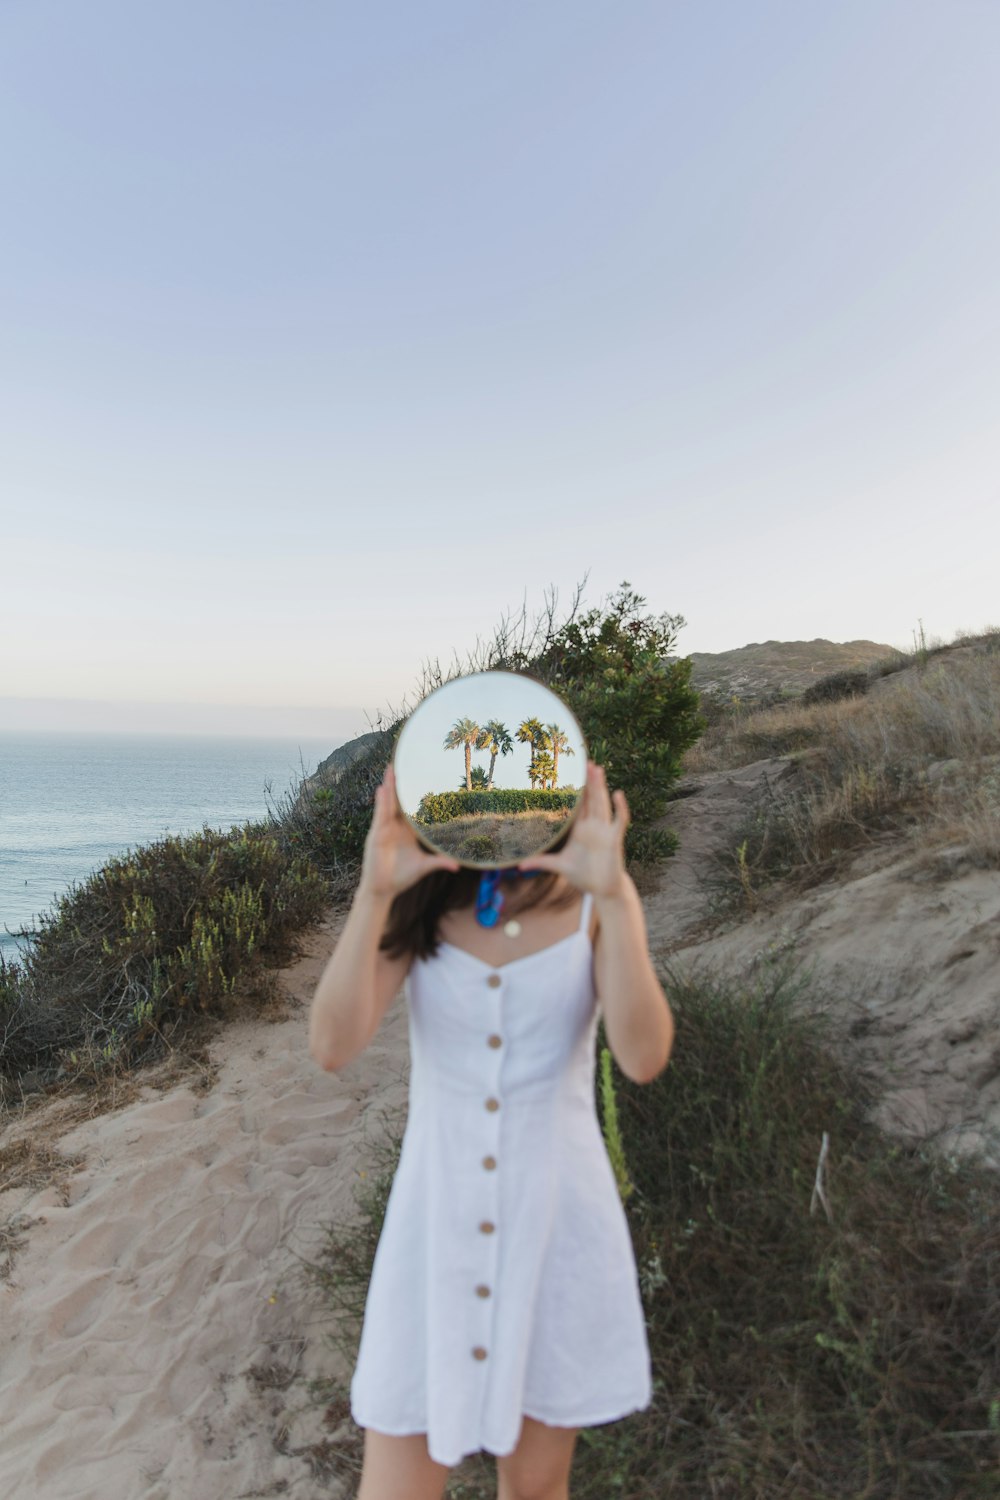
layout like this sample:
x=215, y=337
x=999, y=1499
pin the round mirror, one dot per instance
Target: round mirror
x=490, y=768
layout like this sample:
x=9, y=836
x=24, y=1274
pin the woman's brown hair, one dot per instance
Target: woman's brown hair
x=411, y=926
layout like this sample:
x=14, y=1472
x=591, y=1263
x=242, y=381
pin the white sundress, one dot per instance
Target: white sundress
x=504, y=1284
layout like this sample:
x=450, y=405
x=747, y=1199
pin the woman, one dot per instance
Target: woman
x=503, y=1311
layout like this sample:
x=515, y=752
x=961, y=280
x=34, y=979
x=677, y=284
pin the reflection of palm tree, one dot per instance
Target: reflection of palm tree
x=495, y=738
x=545, y=768
x=532, y=732
x=557, y=741
x=464, y=732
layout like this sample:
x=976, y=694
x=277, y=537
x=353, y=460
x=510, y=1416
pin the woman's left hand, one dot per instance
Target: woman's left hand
x=594, y=856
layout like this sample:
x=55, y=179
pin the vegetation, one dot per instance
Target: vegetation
x=495, y=738
x=169, y=929
x=545, y=740
x=917, y=756
x=442, y=807
x=635, y=703
x=465, y=735
x=837, y=1343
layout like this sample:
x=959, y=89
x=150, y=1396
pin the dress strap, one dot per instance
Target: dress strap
x=585, y=912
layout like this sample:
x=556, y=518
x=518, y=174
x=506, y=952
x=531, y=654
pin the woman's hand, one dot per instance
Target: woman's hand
x=594, y=856
x=394, y=858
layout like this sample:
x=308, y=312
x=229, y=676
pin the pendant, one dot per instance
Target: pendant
x=512, y=928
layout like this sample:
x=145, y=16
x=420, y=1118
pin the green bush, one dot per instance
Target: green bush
x=634, y=701
x=442, y=807
x=481, y=847
x=836, y=686
x=170, y=927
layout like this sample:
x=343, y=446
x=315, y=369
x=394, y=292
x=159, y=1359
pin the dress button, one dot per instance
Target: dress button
x=486, y=1227
x=492, y=1105
x=489, y=1162
x=479, y=1352
x=494, y=981
x=493, y=1040
x=482, y=1291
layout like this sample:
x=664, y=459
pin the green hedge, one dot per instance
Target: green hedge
x=442, y=807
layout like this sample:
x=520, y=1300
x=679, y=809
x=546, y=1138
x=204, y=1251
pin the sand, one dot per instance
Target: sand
x=158, y=1332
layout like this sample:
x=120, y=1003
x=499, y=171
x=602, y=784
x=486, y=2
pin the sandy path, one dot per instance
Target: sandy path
x=167, y=1272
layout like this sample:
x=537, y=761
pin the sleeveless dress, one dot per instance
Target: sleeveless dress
x=504, y=1283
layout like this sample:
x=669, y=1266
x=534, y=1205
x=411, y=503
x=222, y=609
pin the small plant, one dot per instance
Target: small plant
x=743, y=871
x=612, y=1132
x=483, y=847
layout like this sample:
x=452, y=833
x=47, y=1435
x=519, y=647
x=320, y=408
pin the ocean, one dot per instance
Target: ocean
x=70, y=802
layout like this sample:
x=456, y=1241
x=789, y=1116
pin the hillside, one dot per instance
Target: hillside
x=859, y=841
x=345, y=755
x=765, y=668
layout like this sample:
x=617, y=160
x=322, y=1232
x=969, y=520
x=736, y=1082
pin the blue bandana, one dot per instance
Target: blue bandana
x=489, y=898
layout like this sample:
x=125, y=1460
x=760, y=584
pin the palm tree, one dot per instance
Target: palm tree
x=464, y=732
x=478, y=781
x=557, y=742
x=496, y=739
x=532, y=732
x=545, y=768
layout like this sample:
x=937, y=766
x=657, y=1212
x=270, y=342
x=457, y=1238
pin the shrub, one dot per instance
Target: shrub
x=442, y=807
x=172, y=926
x=481, y=847
x=635, y=703
x=836, y=686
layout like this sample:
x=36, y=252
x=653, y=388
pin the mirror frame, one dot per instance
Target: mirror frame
x=470, y=864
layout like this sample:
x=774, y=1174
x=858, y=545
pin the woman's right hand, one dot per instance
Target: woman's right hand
x=394, y=858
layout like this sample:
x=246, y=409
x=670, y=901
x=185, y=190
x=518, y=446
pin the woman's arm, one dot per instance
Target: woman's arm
x=358, y=982
x=356, y=986
x=637, y=1017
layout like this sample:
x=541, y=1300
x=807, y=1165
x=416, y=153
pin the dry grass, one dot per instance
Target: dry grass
x=919, y=755
x=500, y=837
x=948, y=707
x=25, y=1166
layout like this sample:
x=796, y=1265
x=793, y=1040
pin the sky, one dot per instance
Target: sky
x=332, y=333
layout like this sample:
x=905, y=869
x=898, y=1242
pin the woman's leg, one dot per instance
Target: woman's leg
x=538, y=1468
x=399, y=1466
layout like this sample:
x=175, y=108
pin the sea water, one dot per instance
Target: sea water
x=70, y=802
